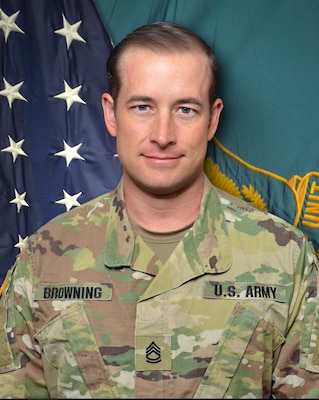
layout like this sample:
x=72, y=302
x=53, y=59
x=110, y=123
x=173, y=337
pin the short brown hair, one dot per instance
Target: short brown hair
x=166, y=36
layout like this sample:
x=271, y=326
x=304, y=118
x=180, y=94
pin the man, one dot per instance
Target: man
x=166, y=287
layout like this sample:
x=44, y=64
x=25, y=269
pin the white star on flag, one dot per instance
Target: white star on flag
x=70, y=95
x=19, y=200
x=8, y=25
x=70, y=31
x=22, y=243
x=70, y=152
x=15, y=148
x=68, y=200
x=12, y=92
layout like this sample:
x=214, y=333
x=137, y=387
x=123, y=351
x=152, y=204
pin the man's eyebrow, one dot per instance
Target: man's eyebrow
x=142, y=99
x=189, y=100
x=148, y=99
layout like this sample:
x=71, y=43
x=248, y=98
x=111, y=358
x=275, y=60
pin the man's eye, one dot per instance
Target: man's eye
x=186, y=110
x=142, y=107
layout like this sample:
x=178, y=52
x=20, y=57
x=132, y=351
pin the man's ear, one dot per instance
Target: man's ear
x=214, y=120
x=109, y=113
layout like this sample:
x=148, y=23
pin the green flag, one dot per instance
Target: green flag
x=266, y=147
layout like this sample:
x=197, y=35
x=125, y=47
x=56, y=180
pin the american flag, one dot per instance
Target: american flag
x=55, y=151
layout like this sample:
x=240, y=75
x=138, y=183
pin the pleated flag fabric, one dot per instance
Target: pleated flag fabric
x=55, y=151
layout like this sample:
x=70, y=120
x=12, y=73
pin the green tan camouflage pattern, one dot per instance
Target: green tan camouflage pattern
x=93, y=313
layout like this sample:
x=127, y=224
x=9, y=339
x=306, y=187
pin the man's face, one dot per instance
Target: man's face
x=162, y=119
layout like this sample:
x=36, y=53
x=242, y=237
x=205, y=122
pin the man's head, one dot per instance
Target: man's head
x=160, y=36
x=162, y=108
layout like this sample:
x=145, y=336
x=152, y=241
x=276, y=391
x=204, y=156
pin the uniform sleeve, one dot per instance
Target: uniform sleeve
x=21, y=372
x=296, y=374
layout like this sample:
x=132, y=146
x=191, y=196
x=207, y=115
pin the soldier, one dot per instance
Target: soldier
x=167, y=287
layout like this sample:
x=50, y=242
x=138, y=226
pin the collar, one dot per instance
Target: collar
x=206, y=245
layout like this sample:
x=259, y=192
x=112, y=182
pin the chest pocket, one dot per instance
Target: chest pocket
x=72, y=361
x=243, y=359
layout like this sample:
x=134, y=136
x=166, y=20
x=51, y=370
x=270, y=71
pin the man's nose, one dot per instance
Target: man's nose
x=163, y=130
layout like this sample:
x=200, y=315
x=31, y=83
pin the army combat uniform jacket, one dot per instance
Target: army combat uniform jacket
x=91, y=312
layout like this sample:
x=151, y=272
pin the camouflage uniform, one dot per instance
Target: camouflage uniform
x=92, y=312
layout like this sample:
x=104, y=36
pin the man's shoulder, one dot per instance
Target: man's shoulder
x=95, y=211
x=246, y=213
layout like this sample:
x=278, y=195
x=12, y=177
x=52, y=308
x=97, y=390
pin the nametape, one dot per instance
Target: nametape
x=74, y=291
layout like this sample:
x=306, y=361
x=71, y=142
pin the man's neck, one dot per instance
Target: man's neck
x=163, y=213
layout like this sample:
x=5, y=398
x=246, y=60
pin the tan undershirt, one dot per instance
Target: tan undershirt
x=162, y=244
